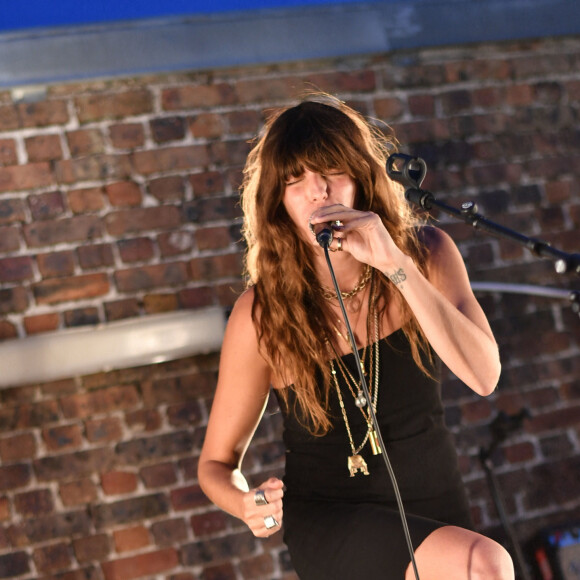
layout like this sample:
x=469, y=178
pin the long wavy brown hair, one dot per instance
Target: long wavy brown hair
x=289, y=311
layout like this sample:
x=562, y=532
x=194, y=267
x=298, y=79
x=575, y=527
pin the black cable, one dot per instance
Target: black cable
x=324, y=242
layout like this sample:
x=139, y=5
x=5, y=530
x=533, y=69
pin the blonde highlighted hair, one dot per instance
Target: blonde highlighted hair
x=289, y=311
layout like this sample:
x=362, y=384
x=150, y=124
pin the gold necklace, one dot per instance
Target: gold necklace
x=356, y=462
x=329, y=294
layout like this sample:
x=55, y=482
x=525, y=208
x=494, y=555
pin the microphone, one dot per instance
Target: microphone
x=323, y=234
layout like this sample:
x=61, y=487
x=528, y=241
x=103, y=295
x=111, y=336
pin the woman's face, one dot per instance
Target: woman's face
x=304, y=194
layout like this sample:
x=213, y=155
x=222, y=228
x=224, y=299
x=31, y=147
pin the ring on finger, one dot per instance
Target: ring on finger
x=270, y=522
x=260, y=497
x=339, y=244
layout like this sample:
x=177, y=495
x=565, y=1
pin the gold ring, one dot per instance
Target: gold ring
x=339, y=244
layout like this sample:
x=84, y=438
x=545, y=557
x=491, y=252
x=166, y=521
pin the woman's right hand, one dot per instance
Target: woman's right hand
x=264, y=520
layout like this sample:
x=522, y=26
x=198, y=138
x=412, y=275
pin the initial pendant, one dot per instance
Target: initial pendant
x=356, y=463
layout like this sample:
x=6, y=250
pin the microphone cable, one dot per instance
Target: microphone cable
x=324, y=238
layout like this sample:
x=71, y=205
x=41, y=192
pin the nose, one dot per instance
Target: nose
x=318, y=187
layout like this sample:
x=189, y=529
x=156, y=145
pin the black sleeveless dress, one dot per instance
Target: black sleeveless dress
x=339, y=527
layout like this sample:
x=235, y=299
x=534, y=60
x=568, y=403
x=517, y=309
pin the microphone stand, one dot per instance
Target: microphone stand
x=324, y=238
x=410, y=172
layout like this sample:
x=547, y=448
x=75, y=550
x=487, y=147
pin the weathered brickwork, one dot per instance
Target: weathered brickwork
x=119, y=199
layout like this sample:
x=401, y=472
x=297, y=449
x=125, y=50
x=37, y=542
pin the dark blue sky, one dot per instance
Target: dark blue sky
x=25, y=14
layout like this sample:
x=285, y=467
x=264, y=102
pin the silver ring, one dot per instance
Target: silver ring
x=260, y=497
x=337, y=223
x=339, y=244
x=270, y=522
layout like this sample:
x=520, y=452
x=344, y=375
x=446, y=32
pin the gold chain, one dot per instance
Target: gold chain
x=329, y=294
x=375, y=387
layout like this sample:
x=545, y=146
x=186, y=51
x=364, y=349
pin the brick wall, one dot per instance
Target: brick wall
x=118, y=198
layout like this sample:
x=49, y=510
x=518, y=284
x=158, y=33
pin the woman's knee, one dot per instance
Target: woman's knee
x=452, y=553
x=489, y=560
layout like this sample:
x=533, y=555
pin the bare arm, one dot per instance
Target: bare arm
x=449, y=313
x=240, y=400
x=443, y=302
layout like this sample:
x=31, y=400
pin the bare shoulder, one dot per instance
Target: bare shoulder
x=442, y=249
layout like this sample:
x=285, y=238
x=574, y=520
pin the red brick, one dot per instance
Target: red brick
x=5, y=513
x=16, y=269
x=124, y=222
x=86, y=200
x=17, y=448
x=220, y=572
x=157, y=303
x=22, y=177
x=41, y=323
x=43, y=148
x=209, y=523
x=73, y=466
x=187, y=498
x=105, y=430
x=95, y=256
x=62, y=437
x=12, y=210
x=213, y=238
x=170, y=159
x=52, y=232
x=207, y=126
x=13, y=300
x=131, y=539
x=136, y=250
x=160, y=475
x=79, y=492
x=519, y=452
x=216, y=267
x=9, y=239
x=53, y=558
x=120, y=309
x=81, y=287
x=201, y=96
x=169, y=532
x=388, y=108
x=8, y=118
x=14, y=476
x=422, y=105
x=149, y=564
x=46, y=205
x=127, y=135
x=34, y=503
x=257, y=566
x=244, y=121
x=124, y=194
x=175, y=243
x=113, y=106
x=8, y=155
x=87, y=316
x=207, y=183
x=43, y=113
x=146, y=277
x=85, y=142
x=107, y=400
x=57, y=264
x=92, y=168
x=118, y=482
x=167, y=129
x=167, y=189
x=143, y=420
x=28, y=414
x=92, y=548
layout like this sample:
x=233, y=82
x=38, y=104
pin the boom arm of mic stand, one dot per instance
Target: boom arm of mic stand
x=410, y=172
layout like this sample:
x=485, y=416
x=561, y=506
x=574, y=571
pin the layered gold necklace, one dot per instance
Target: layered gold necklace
x=356, y=463
x=352, y=302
